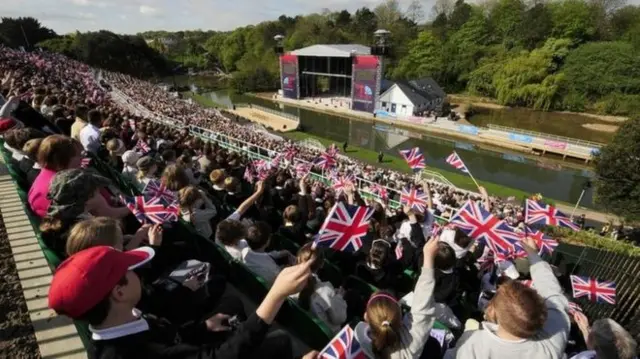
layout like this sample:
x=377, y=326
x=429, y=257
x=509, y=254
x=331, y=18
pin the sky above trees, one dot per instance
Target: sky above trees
x=133, y=16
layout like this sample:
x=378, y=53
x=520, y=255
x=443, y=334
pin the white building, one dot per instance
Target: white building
x=411, y=98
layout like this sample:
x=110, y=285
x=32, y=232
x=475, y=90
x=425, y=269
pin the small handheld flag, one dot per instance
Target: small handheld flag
x=151, y=211
x=343, y=346
x=399, y=249
x=455, y=160
x=142, y=147
x=344, y=227
x=541, y=214
x=414, y=158
x=413, y=198
x=546, y=245
x=595, y=290
x=157, y=189
x=85, y=162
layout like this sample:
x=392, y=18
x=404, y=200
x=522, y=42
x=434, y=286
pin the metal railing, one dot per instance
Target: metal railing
x=271, y=111
x=546, y=136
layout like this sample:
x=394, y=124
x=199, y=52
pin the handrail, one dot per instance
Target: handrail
x=271, y=111
x=569, y=140
x=228, y=142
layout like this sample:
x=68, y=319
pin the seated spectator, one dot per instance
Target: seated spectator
x=605, y=339
x=29, y=164
x=186, y=163
x=521, y=321
x=197, y=209
x=458, y=241
x=385, y=333
x=233, y=197
x=129, y=160
x=74, y=196
x=376, y=269
x=255, y=257
x=56, y=153
x=98, y=286
x=217, y=177
x=293, y=228
x=147, y=169
x=104, y=231
x=115, y=148
x=81, y=112
x=90, y=134
x=175, y=178
x=230, y=234
x=319, y=297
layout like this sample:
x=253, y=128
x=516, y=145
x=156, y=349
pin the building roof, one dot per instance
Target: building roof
x=340, y=50
x=420, y=91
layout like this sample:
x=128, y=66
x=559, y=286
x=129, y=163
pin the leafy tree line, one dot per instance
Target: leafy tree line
x=104, y=49
x=579, y=55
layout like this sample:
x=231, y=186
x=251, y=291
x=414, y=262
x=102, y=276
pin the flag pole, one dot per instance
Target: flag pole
x=468, y=171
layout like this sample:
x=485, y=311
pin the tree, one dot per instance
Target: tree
x=535, y=26
x=460, y=14
x=387, y=13
x=573, y=19
x=414, y=11
x=506, y=15
x=24, y=31
x=444, y=7
x=422, y=60
x=617, y=169
x=364, y=25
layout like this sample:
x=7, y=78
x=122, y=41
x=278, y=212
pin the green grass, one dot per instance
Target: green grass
x=203, y=100
x=398, y=164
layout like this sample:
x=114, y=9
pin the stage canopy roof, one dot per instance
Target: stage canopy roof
x=342, y=50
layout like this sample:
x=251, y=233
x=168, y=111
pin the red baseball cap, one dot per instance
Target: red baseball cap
x=85, y=279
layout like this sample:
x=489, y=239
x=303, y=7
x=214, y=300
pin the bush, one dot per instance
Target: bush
x=590, y=239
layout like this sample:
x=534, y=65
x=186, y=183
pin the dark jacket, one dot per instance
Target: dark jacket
x=162, y=340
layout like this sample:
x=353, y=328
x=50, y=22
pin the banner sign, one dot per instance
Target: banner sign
x=416, y=119
x=514, y=158
x=520, y=138
x=364, y=85
x=384, y=114
x=555, y=144
x=470, y=130
x=464, y=146
x=289, y=76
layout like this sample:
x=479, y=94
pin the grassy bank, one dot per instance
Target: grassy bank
x=398, y=164
x=202, y=100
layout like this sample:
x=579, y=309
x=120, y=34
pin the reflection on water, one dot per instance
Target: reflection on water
x=561, y=124
x=508, y=169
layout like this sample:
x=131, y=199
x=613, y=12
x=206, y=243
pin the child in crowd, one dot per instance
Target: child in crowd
x=147, y=169
x=197, y=209
x=321, y=298
x=255, y=257
x=130, y=171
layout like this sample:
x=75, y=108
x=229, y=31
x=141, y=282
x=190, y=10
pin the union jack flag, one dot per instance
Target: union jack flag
x=546, y=245
x=399, y=250
x=262, y=169
x=152, y=210
x=413, y=198
x=302, y=169
x=540, y=214
x=248, y=174
x=343, y=346
x=275, y=162
x=573, y=308
x=85, y=162
x=380, y=190
x=290, y=153
x=340, y=184
x=344, y=227
x=481, y=225
x=414, y=158
x=456, y=162
x=326, y=161
x=157, y=189
x=487, y=263
x=595, y=290
x=333, y=150
x=142, y=146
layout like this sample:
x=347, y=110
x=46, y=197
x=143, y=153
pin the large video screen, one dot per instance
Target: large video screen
x=289, y=80
x=365, y=83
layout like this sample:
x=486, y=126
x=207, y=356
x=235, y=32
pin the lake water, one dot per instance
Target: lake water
x=551, y=178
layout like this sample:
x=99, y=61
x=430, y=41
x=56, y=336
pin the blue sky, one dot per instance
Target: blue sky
x=132, y=16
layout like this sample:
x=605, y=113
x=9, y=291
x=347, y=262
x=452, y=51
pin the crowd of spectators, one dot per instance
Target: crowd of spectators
x=123, y=277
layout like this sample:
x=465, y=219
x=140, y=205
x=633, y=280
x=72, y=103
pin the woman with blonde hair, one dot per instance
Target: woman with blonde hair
x=175, y=178
x=104, y=231
x=147, y=169
x=385, y=334
x=319, y=297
